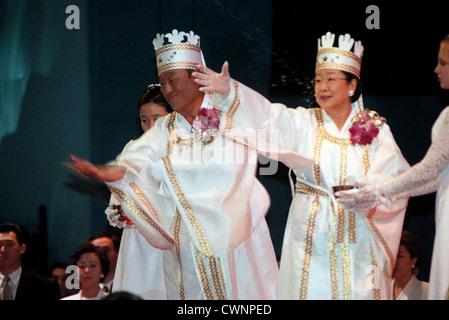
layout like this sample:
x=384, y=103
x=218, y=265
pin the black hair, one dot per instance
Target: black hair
x=87, y=247
x=411, y=243
x=358, y=90
x=115, y=239
x=8, y=227
x=153, y=94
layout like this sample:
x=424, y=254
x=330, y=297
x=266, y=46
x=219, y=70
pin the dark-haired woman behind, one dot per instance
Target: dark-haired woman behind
x=406, y=285
x=92, y=265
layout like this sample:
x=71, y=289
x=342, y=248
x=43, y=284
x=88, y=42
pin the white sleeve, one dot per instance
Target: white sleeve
x=429, y=168
x=252, y=111
x=138, y=191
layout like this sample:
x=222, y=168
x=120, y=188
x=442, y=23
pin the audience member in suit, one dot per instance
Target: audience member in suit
x=21, y=284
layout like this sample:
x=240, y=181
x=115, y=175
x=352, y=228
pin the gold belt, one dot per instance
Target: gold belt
x=302, y=188
x=337, y=231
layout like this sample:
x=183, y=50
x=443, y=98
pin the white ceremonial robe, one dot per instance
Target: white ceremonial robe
x=203, y=208
x=77, y=296
x=415, y=289
x=139, y=267
x=329, y=253
x=439, y=275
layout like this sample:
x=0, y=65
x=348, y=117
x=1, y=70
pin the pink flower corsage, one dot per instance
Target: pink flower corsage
x=365, y=127
x=206, y=125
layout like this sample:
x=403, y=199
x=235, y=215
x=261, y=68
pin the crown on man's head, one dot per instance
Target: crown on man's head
x=341, y=58
x=180, y=51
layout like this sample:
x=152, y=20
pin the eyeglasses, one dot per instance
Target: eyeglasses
x=328, y=81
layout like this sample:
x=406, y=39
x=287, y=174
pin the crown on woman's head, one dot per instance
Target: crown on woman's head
x=181, y=51
x=341, y=58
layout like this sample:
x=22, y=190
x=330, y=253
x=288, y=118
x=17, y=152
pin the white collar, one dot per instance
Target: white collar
x=14, y=276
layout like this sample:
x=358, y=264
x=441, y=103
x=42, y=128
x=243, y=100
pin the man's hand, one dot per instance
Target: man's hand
x=83, y=167
x=212, y=81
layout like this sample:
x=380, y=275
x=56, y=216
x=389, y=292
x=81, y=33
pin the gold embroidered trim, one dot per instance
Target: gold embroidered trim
x=366, y=162
x=234, y=107
x=351, y=227
x=177, y=65
x=342, y=181
x=131, y=164
x=333, y=256
x=326, y=135
x=203, y=275
x=182, y=293
x=376, y=275
x=216, y=271
x=365, y=157
x=340, y=221
x=382, y=240
x=187, y=208
x=341, y=52
x=304, y=281
x=344, y=143
x=215, y=267
x=134, y=207
x=308, y=249
x=317, y=156
x=177, y=46
x=140, y=194
x=302, y=188
x=341, y=218
x=346, y=266
x=172, y=136
x=217, y=277
x=336, y=65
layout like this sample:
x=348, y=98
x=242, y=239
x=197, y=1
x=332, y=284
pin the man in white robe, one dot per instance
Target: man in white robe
x=193, y=194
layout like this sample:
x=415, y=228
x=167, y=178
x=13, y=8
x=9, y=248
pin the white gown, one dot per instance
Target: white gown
x=415, y=289
x=329, y=253
x=139, y=266
x=202, y=209
x=432, y=174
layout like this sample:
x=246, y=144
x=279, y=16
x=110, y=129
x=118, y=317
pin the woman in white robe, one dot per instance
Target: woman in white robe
x=139, y=265
x=429, y=175
x=328, y=253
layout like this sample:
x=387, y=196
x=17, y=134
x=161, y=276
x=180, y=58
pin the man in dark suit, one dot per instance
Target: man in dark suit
x=15, y=283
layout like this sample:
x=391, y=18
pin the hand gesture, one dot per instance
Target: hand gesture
x=363, y=199
x=212, y=81
x=83, y=167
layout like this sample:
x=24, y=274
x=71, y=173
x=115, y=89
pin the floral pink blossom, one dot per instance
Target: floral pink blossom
x=364, y=130
x=209, y=119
